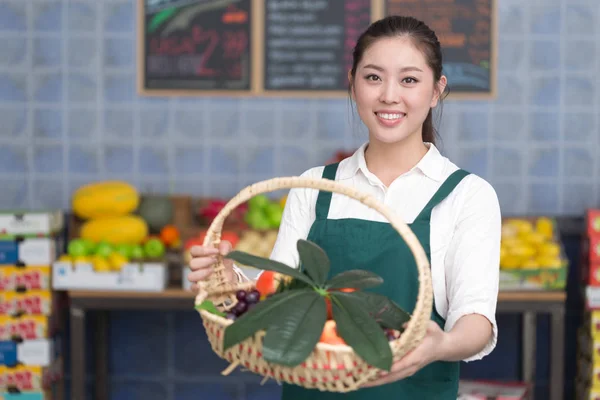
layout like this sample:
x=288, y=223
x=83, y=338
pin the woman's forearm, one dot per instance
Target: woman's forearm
x=467, y=337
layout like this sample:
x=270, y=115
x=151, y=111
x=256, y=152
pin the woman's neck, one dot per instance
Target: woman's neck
x=390, y=160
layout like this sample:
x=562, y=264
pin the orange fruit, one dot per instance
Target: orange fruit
x=330, y=335
x=169, y=234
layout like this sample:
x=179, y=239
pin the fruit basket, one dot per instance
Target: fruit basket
x=327, y=367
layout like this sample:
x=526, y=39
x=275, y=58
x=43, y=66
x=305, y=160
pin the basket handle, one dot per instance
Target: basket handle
x=218, y=283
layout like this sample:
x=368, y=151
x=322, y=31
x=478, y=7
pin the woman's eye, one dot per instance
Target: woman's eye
x=372, y=77
x=409, y=80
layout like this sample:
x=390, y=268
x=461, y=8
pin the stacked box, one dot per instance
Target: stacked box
x=30, y=353
x=588, y=357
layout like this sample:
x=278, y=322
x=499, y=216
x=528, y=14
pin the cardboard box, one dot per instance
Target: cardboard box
x=30, y=223
x=593, y=222
x=39, y=352
x=29, y=278
x=151, y=277
x=29, y=251
x=28, y=378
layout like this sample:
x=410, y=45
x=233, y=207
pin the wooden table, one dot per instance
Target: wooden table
x=529, y=304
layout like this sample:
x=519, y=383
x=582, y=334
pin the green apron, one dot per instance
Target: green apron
x=354, y=243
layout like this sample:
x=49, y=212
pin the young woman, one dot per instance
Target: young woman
x=396, y=81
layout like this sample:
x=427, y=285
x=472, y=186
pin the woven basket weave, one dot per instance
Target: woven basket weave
x=333, y=368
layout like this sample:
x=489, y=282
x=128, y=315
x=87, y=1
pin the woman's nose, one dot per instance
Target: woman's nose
x=391, y=93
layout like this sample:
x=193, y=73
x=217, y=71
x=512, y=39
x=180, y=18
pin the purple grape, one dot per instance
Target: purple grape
x=240, y=308
x=231, y=316
x=241, y=295
x=253, y=297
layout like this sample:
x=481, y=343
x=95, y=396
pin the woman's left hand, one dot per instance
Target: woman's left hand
x=428, y=351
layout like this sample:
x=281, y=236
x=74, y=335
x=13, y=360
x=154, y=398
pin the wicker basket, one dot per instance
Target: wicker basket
x=334, y=368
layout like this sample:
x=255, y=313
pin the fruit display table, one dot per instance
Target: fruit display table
x=529, y=304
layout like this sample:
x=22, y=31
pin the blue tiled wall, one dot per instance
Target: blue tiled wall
x=69, y=114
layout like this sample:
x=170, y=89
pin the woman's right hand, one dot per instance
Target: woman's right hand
x=203, y=262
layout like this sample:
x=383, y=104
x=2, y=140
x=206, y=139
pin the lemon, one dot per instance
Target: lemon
x=534, y=238
x=510, y=262
x=509, y=231
x=65, y=258
x=523, y=251
x=549, y=250
x=100, y=264
x=81, y=260
x=545, y=227
x=530, y=263
x=549, y=262
x=116, y=261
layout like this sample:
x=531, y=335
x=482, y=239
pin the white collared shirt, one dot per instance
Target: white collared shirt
x=465, y=229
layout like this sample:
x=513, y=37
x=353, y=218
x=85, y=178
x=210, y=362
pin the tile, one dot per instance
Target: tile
x=510, y=197
x=14, y=121
x=82, y=52
x=138, y=390
x=153, y=161
x=296, y=122
x=13, y=159
x=47, y=52
x=119, y=16
x=224, y=189
x=580, y=91
x=14, y=194
x=511, y=89
x=48, y=159
x=581, y=19
x=579, y=126
x=119, y=123
x=580, y=55
x=189, y=160
x=543, y=163
x=130, y=356
x=155, y=186
x=13, y=87
x=154, y=123
x=511, y=54
x=13, y=51
x=509, y=126
x=544, y=18
x=511, y=18
x=507, y=162
x=83, y=123
x=13, y=16
x=545, y=126
x=192, y=187
x=473, y=126
x=545, y=91
x=82, y=16
x=83, y=159
x=47, y=16
x=190, y=123
x=213, y=391
x=224, y=161
x=293, y=161
x=82, y=88
x=545, y=55
x=47, y=123
x=474, y=160
x=47, y=194
x=543, y=199
x=119, y=53
x=259, y=160
x=577, y=198
x=226, y=123
x=578, y=162
x=261, y=124
x=118, y=159
x=332, y=124
x=48, y=87
x=119, y=87
x=269, y=391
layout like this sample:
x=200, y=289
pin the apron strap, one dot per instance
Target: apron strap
x=447, y=187
x=324, y=198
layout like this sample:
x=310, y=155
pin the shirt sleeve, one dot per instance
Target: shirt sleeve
x=473, y=260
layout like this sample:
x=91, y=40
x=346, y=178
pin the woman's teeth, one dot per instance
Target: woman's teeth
x=390, y=116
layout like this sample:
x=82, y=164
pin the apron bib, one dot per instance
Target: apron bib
x=376, y=246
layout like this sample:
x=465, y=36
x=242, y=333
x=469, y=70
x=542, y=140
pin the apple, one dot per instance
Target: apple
x=258, y=202
x=136, y=252
x=104, y=249
x=154, y=248
x=274, y=213
x=77, y=248
x=257, y=220
x=124, y=250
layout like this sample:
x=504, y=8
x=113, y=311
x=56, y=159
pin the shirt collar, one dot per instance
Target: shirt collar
x=431, y=165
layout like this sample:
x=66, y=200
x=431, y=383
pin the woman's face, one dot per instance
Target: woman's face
x=394, y=90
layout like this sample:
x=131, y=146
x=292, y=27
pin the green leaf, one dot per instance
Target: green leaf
x=360, y=331
x=355, y=278
x=160, y=17
x=210, y=307
x=291, y=339
x=268, y=264
x=264, y=314
x=382, y=309
x=314, y=260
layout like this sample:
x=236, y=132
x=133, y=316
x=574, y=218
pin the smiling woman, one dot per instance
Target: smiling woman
x=396, y=81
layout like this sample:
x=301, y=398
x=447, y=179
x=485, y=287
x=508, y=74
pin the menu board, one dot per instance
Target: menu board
x=308, y=44
x=466, y=30
x=196, y=44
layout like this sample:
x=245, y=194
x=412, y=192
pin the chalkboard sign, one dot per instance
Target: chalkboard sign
x=195, y=44
x=308, y=44
x=467, y=32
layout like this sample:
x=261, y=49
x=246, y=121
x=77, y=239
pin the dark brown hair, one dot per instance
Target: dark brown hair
x=422, y=37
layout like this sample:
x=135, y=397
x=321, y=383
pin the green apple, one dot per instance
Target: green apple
x=104, y=249
x=154, y=248
x=136, y=252
x=274, y=213
x=124, y=250
x=258, y=202
x=77, y=248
